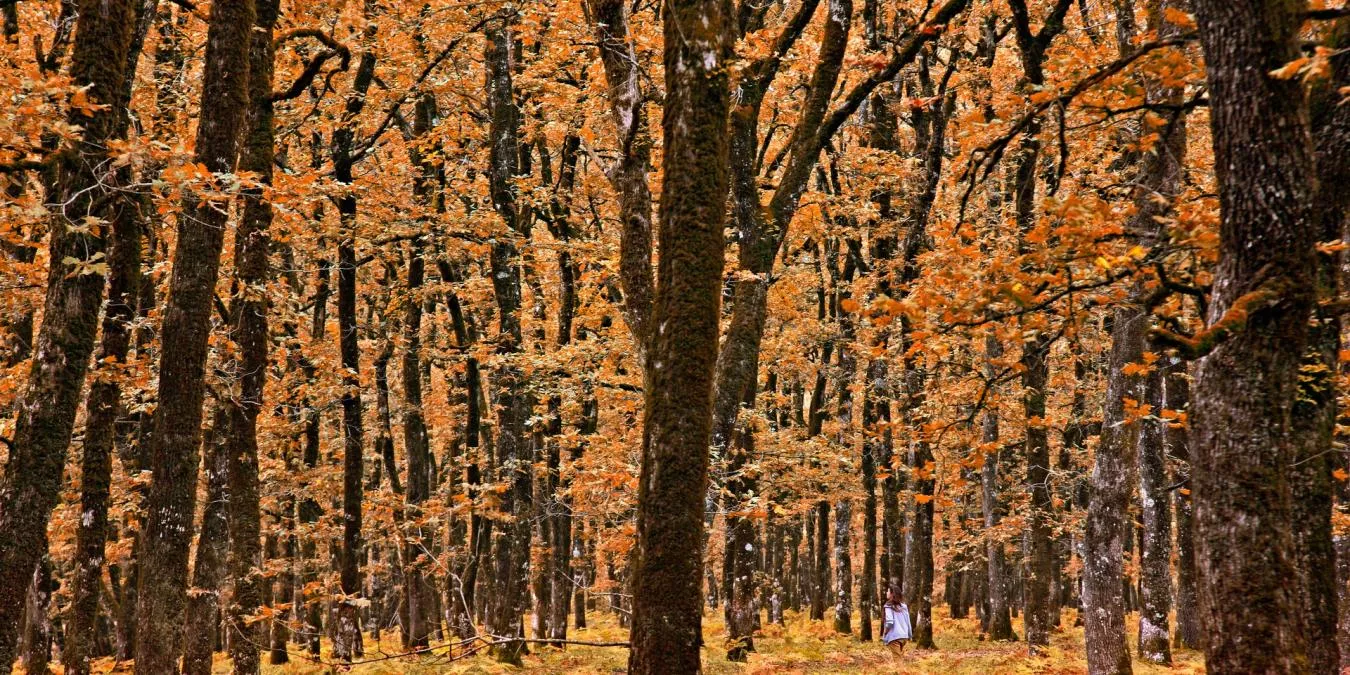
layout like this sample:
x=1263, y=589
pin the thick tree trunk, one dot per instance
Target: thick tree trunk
x=1105, y=538
x=186, y=327
x=42, y=431
x=1246, y=387
x=37, y=630
x=682, y=355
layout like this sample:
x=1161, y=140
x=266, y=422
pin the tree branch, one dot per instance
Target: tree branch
x=1233, y=321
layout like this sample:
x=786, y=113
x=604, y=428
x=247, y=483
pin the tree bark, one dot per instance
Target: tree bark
x=418, y=592
x=511, y=543
x=42, y=431
x=186, y=327
x=250, y=335
x=1155, y=554
x=103, y=401
x=208, y=568
x=682, y=355
x=1000, y=623
x=1246, y=387
x=1315, y=409
x=347, y=641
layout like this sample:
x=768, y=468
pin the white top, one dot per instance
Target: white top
x=895, y=624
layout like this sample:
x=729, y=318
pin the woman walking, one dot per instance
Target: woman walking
x=895, y=628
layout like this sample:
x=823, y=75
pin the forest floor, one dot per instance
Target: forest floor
x=801, y=646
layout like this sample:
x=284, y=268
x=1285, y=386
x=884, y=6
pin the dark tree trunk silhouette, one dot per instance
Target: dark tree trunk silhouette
x=42, y=431
x=201, y=633
x=103, y=401
x=1315, y=410
x=682, y=355
x=249, y=333
x=347, y=641
x=511, y=542
x=1035, y=348
x=999, y=621
x=186, y=327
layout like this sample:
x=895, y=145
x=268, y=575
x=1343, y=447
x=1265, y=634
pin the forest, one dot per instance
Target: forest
x=673, y=336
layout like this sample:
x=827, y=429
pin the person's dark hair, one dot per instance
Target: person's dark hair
x=893, y=591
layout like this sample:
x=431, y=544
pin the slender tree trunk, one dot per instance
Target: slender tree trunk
x=1000, y=624
x=250, y=334
x=202, y=632
x=1155, y=555
x=739, y=570
x=1035, y=362
x=1315, y=409
x=511, y=544
x=918, y=588
x=347, y=642
x=186, y=327
x=1176, y=396
x=843, y=567
x=419, y=593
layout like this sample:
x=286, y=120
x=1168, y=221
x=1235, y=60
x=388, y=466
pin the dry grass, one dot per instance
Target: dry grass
x=801, y=646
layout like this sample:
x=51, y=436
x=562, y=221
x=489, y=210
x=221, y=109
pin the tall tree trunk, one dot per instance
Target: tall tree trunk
x=843, y=567
x=42, y=431
x=208, y=568
x=1112, y=478
x=1315, y=409
x=186, y=327
x=250, y=335
x=1176, y=396
x=918, y=588
x=309, y=510
x=1155, y=555
x=1246, y=387
x=739, y=570
x=682, y=355
x=874, y=398
x=103, y=401
x=1034, y=361
x=37, y=633
x=418, y=592
x=1000, y=624
x=511, y=544
x=347, y=643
